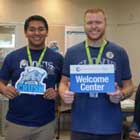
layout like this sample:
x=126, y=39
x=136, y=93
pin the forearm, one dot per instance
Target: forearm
x=127, y=89
x=63, y=85
x=66, y=95
x=3, y=84
x=8, y=91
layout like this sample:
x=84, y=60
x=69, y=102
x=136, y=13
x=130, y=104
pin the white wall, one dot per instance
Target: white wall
x=128, y=27
x=123, y=18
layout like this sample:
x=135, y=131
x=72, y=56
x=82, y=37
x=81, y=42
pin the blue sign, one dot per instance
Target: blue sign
x=92, y=78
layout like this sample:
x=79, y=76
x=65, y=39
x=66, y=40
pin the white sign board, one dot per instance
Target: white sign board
x=92, y=78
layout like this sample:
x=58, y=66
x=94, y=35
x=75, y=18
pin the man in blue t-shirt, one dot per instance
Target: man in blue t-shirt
x=96, y=116
x=34, y=72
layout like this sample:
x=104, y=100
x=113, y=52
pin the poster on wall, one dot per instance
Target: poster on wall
x=7, y=35
x=74, y=35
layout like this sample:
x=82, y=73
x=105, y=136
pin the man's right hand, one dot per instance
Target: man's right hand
x=10, y=92
x=133, y=135
x=68, y=97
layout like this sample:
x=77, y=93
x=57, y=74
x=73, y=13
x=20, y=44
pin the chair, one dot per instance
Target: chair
x=62, y=109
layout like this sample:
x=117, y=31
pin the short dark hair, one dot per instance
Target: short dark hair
x=35, y=18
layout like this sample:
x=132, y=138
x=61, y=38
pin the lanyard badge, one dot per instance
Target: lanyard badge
x=90, y=61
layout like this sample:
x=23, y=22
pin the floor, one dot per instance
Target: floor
x=65, y=135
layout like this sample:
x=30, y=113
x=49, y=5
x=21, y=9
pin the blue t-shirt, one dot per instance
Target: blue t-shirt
x=31, y=110
x=97, y=115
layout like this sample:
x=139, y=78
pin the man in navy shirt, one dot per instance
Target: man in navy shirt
x=96, y=116
x=34, y=72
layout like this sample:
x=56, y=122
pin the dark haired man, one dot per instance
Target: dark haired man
x=34, y=71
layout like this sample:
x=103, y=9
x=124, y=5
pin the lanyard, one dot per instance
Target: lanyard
x=40, y=58
x=99, y=54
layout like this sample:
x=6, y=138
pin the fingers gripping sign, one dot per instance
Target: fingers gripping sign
x=115, y=97
x=68, y=95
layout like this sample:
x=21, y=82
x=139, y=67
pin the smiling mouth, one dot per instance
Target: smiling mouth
x=36, y=38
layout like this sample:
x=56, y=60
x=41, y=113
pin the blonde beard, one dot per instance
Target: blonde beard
x=96, y=42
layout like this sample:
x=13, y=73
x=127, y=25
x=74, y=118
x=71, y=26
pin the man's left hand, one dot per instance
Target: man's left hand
x=115, y=97
x=50, y=94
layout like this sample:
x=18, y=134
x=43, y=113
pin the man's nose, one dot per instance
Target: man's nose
x=37, y=31
x=94, y=25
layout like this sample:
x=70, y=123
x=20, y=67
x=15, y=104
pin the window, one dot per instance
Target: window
x=7, y=36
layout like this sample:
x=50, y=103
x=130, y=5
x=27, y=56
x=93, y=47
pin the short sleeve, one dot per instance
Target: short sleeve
x=66, y=66
x=126, y=73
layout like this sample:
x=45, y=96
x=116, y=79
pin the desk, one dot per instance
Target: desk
x=61, y=109
x=127, y=107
